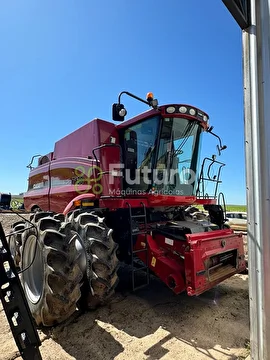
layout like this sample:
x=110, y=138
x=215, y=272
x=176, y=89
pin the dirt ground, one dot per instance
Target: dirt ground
x=150, y=324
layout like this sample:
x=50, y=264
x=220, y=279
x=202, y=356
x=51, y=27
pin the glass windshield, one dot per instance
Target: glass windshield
x=168, y=164
x=177, y=160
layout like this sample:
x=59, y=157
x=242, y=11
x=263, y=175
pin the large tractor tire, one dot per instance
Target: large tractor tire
x=101, y=263
x=15, y=241
x=51, y=276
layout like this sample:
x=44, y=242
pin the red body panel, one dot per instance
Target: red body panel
x=38, y=188
x=66, y=176
x=147, y=200
x=205, y=201
x=80, y=144
x=199, y=275
x=163, y=263
x=53, y=185
x=58, y=182
x=82, y=141
x=183, y=265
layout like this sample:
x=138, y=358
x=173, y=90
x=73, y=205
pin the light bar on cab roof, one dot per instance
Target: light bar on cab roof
x=183, y=109
x=170, y=109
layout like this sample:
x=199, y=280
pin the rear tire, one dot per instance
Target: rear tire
x=51, y=276
x=101, y=263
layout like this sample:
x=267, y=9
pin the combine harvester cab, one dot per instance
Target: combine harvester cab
x=112, y=193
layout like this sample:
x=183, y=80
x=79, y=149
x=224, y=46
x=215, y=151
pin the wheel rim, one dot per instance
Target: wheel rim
x=33, y=277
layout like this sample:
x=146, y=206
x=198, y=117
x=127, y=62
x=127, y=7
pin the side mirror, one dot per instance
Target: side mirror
x=220, y=148
x=118, y=112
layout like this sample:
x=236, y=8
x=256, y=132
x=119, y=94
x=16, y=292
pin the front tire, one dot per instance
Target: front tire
x=51, y=276
x=101, y=263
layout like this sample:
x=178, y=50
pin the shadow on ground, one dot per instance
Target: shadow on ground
x=159, y=322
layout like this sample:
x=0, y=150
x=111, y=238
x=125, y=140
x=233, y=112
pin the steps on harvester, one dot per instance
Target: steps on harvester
x=136, y=263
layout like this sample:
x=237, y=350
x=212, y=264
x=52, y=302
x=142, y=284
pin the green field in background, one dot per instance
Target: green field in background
x=240, y=208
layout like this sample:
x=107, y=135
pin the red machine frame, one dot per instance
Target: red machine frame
x=74, y=167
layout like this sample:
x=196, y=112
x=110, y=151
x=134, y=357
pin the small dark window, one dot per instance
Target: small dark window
x=43, y=160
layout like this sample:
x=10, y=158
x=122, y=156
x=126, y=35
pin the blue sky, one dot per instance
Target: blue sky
x=64, y=62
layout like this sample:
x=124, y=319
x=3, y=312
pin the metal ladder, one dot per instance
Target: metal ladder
x=133, y=233
x=15, y=305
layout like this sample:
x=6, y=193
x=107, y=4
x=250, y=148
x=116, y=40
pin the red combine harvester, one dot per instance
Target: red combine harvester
x=121, y=193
